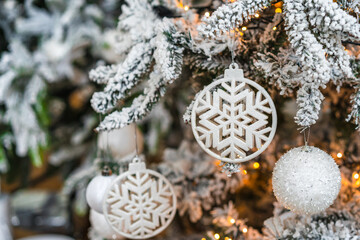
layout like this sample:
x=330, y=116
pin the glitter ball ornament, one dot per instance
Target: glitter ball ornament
x=140, y=203
x=95, y=190
x=306, y=180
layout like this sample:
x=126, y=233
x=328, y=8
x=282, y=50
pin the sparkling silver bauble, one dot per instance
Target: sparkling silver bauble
x=306, y=180
x=95, y=191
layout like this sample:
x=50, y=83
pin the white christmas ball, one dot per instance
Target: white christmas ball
x=95, y=191
x=306, y=180
x=99, y=223
x=121, y=142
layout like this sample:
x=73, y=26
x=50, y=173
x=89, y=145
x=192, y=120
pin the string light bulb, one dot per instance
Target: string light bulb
x=232, y=221
x=256, y=165
x=216, y=236
x=244, y=172
x=257, y=15
x=274, y=28
x=244, y=28
x=356, y=175
x=207, y=14
x=339, y=155
x=244, y=230
x=186, y=8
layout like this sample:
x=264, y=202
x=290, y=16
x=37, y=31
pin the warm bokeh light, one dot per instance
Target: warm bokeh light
x=244, y=230
x=256, y=165
x=203, y=239
x=207, y=14
x=257, y=15
x=186, y=8
x=216, y=236
x=244, y=172
x=355, y=175
x=339, y=155
x=278, y=4
x=244, y=28
x=232, y=221
x=274, y=28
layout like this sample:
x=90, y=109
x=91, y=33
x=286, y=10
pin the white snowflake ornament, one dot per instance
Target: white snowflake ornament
x=234, y=118
x=140, y=203
x=306, y=180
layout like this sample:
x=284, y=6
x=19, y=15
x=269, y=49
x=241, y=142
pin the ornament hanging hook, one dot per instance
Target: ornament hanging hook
x=99, y=153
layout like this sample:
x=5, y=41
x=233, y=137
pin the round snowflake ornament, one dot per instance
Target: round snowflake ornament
x=140, y=203
x=306, y=180
x=233, y=119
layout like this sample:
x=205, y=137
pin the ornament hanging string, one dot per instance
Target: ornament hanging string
x=232, y=45
x=99, y=153
x=107, y=148
x=136, y=159
x=306, y=136
x=105, y=156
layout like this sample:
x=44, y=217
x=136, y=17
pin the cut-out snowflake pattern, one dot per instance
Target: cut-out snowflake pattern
x=234, y=119
x=140, y=203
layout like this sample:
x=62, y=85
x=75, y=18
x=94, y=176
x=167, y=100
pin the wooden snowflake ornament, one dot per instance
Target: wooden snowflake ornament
x=233, y=119
x=140, y=203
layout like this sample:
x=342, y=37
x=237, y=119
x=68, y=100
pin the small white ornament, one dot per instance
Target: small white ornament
x=234, y=119
x=95, y=190
x=99, y=223
x=140, y=203
x=121, y=142
x=306, y=180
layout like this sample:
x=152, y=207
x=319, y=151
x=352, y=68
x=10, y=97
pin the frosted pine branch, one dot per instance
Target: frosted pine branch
x=169, y=50
x=283, y=69
x=128, y=75
x=102, y=74
x=355, y=109
x=328, y=225
x=333, y=19
x=230, y=16
x=139, y=107
x=309, y=100
x=309, y=50
x=337, y=57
